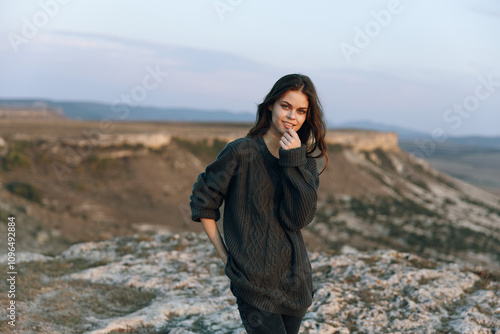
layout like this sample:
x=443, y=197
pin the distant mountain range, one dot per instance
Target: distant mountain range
x=129, y=112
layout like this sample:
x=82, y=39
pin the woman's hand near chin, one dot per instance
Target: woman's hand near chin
x=290, y=139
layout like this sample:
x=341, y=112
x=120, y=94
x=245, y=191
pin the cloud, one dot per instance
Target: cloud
x=191, y=58
x=100, y=67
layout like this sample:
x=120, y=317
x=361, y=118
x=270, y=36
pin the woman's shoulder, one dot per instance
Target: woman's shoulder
x=243, y=146
x=243, y=142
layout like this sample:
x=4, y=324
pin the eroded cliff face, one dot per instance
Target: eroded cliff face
x=360, y=141
x=175, y=283
x=15, y=113
x=356, y=140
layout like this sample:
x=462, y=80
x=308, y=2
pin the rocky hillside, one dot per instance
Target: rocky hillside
x=389, y=199
x=70, y=181
x=174, y=283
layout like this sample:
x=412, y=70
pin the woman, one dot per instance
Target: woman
x=269, y=181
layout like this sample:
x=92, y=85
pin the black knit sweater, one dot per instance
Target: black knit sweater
x=267, y=202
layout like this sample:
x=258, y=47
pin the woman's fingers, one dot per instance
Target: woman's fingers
x=283, y=145
x=292, y=133
x=290, y=139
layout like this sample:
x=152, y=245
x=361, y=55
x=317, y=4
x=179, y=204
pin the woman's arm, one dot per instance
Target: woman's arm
x=300, y=183
x=300, y=186
x=213, y=234
x=212, y=185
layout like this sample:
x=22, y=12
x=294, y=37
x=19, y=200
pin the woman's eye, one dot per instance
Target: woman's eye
x=301, y=111
x=284, y=106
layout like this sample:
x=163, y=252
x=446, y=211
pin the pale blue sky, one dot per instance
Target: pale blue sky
x=425, y=58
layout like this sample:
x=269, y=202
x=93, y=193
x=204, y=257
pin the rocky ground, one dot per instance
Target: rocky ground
x=174, y=283
x=371, y=199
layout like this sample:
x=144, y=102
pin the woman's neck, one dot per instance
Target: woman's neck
x=272, y=141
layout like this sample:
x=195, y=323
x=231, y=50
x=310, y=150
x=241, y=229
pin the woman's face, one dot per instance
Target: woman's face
x=289, y=111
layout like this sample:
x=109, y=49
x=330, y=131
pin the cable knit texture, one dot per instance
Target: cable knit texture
x=267, y=202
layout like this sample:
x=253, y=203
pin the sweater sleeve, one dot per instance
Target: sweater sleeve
x=300, y=188
x=211, y=186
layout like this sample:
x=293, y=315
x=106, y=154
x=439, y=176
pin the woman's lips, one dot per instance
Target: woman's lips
x=288, y=125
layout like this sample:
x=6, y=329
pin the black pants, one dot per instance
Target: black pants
x=261, y=322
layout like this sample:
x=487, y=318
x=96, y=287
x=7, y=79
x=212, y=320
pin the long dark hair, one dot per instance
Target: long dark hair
x=312, y=132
